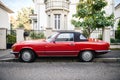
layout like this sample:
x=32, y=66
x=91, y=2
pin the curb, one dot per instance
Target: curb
x=106, y=60
x=38, y=60
x=8, y=60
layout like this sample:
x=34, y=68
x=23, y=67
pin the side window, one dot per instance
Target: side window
x=82, y=37
x=65, y=37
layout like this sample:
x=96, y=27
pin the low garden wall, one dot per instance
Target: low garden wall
x=115, y=45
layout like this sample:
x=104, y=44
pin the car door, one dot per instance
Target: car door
x=63, y=45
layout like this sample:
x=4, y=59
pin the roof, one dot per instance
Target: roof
x=2, y=6
x=118, y=6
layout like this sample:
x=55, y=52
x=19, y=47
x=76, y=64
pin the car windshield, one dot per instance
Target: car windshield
x=50, y=38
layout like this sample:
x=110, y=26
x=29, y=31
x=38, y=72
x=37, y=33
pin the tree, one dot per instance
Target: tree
x=21, y=25
x=23, y=18
x=91, y=15
x=13, y=22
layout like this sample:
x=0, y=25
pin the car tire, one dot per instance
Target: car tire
x=86, y=56
x=27, y=56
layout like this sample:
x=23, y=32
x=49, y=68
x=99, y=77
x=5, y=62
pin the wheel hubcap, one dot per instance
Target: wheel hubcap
x=26, y=56
x=87, y=56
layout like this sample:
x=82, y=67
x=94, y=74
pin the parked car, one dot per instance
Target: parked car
x=63, y=43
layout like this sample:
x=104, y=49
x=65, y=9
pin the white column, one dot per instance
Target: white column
x=3, y=33
x=38, y=18
x=65, y=22
x=52, y=21
x=62, y=22
x=106, y=35
x=20, y=35
x=42, y=16
x=48, y=32
x=33, y=24
x=48, y=21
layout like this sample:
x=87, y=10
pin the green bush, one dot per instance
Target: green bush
x=117, y=34
x=11, y=39
x=114, y=40
x=100, y=37
x=35, y=35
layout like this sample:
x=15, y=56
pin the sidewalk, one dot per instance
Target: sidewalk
x=113, y=56
x=5, y=54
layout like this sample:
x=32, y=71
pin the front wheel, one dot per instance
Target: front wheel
x=27, y=56
x=86, y=56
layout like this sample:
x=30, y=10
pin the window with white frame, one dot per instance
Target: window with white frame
x=57, y=21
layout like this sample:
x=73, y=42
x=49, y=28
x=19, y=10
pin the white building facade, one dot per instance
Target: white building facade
x=4, y=16
x=117, y=16
x=57, y=14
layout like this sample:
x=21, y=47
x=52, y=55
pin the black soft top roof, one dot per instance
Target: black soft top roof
x=76, y=35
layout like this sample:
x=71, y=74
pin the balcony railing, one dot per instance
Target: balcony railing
x=57, y=5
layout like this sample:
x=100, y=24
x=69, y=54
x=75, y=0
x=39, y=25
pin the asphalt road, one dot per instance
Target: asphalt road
x=59, y=71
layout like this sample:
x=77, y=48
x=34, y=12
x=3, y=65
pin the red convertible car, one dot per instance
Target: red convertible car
x=60, y=44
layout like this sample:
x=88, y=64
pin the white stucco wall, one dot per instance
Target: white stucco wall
x=110, y=7
x=117, y=12
x=117, y=17
x=41, y=15
x=19, y=35
x=72, y=10
x=4, y=19
x=3, y=38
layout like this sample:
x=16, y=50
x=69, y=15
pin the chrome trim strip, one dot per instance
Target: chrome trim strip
x=57, y=51
x=102, y=50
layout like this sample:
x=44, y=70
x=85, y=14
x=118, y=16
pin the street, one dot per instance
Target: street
x=54, y=68
x=59, y=71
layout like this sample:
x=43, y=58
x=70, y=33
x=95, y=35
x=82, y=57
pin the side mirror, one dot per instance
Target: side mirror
x=53, y=41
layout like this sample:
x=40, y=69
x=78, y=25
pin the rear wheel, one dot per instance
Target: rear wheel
x=86, y=56
x=27, y=56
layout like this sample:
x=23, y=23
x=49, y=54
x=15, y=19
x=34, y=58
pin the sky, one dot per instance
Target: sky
x=16, y=5
x=117, y=2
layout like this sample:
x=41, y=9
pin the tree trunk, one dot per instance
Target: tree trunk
x=103, y=29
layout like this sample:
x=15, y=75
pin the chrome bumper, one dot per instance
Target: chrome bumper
x=16, y=54
x=102, y=51
x=11, y=52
